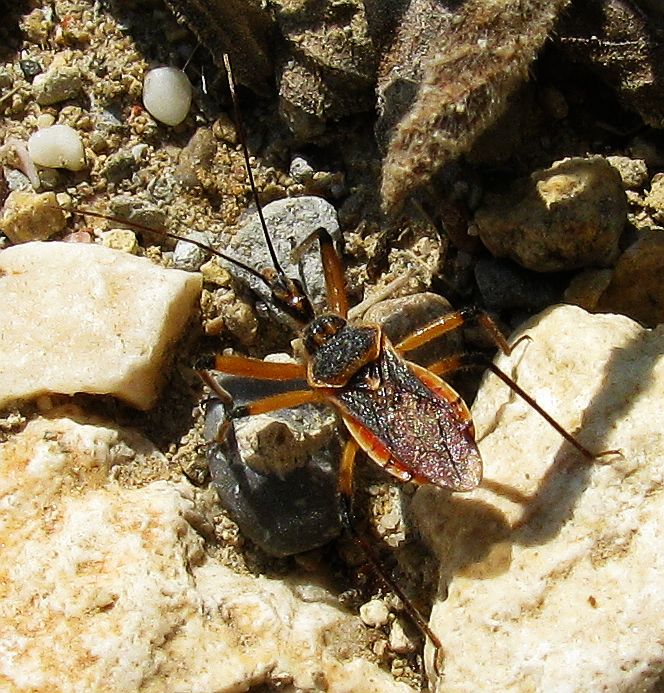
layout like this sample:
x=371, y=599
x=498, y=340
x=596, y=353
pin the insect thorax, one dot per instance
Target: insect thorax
x=336, y=350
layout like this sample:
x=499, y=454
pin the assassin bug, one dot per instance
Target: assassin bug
x=403, y=416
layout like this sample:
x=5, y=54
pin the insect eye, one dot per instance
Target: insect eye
x=320, y=330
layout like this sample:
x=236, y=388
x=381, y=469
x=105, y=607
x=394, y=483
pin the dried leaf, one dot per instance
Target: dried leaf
x=468, y=74
x=240, y=28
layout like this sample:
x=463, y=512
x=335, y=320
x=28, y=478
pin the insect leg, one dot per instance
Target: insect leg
x=244, y=366
x=335, y=283
x=452, y=321
x=347, y=519
x=471, y=360
x=282, y=400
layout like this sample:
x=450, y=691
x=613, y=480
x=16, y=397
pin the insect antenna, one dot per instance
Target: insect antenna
x=176, y=237
x=288, y=293
x=242, y=135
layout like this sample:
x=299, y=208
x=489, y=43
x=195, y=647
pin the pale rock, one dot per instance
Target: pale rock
x=566, y=217
x=399, y=641
x=374, y=613
x=85, y=318
x=188, y=256
x=553, y=565
x=58, y=146
x=110, y=589
x=57, y=85
x=30, y=216
x=633, y=172
x=167, y=95
x=120, y=239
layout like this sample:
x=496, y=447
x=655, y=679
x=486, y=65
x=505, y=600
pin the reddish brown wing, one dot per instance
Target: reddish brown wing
x=411, y=422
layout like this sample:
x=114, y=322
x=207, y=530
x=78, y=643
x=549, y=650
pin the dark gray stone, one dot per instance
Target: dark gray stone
x=283, y=512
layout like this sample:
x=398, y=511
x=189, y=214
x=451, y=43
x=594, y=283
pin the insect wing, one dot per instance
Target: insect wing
x=412, y=423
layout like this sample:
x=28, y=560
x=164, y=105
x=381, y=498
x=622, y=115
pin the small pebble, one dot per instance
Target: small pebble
x=120, y=239
x=214, y=273
x=56, y=85
x=224, y=129
x=45, y=120
x=188, y=256
x=290, y=222
x=399, y=641
x=17, y=180
x=137, y=210
x=197, y=156
x=30, y=69
x=77, y=237
x=29, y=216
x=655, y=198
x=118, y=166
x=300, y=169
x=634, y=172
x=374, y=613
x=58, y=146
x=167, y=95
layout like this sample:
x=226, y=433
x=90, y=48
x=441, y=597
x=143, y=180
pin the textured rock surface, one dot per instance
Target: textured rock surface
x=636, y=287
x=553, y=566
x=333, y=70
x=110, y=589
x=83, y=318
x=566, y=217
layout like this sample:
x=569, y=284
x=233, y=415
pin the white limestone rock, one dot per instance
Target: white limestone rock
x=110, y=589
x=84, y=318
x=554, y=565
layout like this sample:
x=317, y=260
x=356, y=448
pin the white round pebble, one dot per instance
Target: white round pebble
x=167, y=95
x=58, y=146
x=374, y=613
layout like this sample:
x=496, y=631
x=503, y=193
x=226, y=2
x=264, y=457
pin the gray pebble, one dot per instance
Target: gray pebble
x=56, y=85
x=137, y=210
x=118, y=167
x=187, y=256
x=286, y=512
x=289, y=222
x=300, y=169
